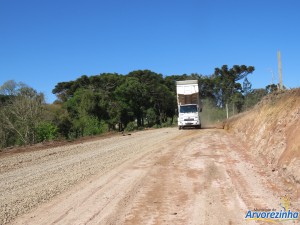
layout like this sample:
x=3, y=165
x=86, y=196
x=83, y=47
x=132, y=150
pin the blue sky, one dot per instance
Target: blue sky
x=46, y=42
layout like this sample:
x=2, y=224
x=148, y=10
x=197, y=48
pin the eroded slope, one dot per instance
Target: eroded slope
x=272, y=132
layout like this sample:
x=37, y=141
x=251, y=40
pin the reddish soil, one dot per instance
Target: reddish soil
x=163, y=176
x=272, y=132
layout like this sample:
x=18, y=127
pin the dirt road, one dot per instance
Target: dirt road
x=163, y=176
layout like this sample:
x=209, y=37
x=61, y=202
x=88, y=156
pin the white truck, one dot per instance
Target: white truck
x=189, y=104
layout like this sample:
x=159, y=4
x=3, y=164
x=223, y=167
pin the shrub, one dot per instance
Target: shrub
x=92, y=126
x=46, y=131
x=130, y=126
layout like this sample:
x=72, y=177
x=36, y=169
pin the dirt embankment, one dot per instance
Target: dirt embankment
x=272, y=131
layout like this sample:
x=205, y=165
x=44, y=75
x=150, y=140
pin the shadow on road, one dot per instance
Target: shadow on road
x=205, y=127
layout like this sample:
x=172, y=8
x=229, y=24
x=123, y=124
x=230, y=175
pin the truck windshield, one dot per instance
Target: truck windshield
x=188, y=108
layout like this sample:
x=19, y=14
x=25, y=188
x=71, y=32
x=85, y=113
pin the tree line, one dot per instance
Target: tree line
x=92, y=105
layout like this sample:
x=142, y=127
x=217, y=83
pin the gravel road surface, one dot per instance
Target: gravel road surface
x=163, y=176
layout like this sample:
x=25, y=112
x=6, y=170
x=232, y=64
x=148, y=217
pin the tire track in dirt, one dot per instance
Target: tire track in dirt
x=40, y=178
x=164, y=177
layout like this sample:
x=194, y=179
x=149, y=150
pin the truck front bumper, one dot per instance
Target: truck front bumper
x=188, y=123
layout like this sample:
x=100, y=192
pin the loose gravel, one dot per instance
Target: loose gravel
x=31, y=178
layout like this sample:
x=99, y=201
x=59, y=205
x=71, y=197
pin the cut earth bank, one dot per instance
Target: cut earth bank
x=272, y=132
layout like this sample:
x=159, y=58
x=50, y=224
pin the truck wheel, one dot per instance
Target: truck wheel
x=179, y=128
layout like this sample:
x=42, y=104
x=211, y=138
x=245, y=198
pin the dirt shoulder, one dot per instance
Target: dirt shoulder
x=163, y=176
x=272, y=132
x=52, y=144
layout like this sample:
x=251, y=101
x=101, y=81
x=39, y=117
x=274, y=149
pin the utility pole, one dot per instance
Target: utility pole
x=279, y=70
x=227, y=110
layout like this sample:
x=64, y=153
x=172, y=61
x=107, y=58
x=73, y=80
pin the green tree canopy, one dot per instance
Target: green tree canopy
x=225, y=82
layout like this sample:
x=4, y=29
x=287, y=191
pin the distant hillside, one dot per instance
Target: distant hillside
x=272, y=131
